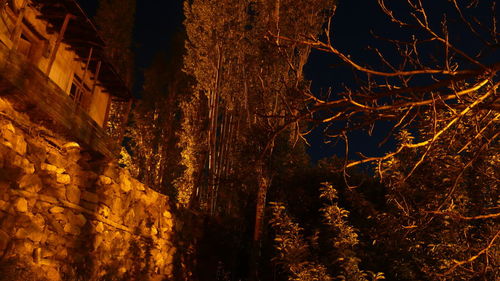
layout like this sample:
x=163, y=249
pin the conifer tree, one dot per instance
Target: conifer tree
x=115, y=20
x=155, y=120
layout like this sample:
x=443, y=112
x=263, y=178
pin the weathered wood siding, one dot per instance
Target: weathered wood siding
x=27, y=86
x=66, y=63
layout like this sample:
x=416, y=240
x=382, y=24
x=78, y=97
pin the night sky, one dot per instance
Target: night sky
x=354, y=24
x=351, y=27
x=158, y=21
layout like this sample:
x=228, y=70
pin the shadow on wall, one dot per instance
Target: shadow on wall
x=13, y=270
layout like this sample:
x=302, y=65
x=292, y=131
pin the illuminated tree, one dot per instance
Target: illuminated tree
x=417, y=83
x=153, y=129
x=315, y=258
x=242, y=76
x=439, y=94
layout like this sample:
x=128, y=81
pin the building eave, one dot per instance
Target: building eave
x=82, y=35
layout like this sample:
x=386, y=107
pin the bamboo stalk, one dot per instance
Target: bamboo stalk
x=215, y=125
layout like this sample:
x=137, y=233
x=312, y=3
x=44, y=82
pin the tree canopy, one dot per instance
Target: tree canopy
x=234, y=127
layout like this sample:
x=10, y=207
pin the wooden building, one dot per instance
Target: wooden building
x=52, y=61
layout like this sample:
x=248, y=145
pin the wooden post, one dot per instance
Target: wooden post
x=96, y=77
x=53, y=53
x=18, y=27
x=85, y=101
x=88, y=101
x=87, y=64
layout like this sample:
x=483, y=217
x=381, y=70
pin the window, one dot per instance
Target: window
x=30, y=43
x=24, y=46
x=80, y=92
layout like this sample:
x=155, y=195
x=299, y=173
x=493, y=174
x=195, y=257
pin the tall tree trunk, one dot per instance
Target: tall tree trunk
x=263, y=185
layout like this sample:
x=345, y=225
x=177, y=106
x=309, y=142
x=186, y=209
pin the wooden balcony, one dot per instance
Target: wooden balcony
x=31, y=91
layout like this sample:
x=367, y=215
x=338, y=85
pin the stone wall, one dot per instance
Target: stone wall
x=65, y=214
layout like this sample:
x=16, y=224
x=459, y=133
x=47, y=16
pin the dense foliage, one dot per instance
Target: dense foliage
x=226, y=136
x=329, y=252
x=433, y=215
x=152, y=138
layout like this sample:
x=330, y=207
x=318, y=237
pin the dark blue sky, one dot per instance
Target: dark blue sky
x=156, y=23
x=351, y=27
x=353, y=24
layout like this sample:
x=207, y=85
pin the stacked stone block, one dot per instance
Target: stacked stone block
x=67, y=215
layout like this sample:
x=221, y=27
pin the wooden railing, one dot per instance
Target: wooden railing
x=33, y=92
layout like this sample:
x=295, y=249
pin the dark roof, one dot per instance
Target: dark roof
x=82, y=35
